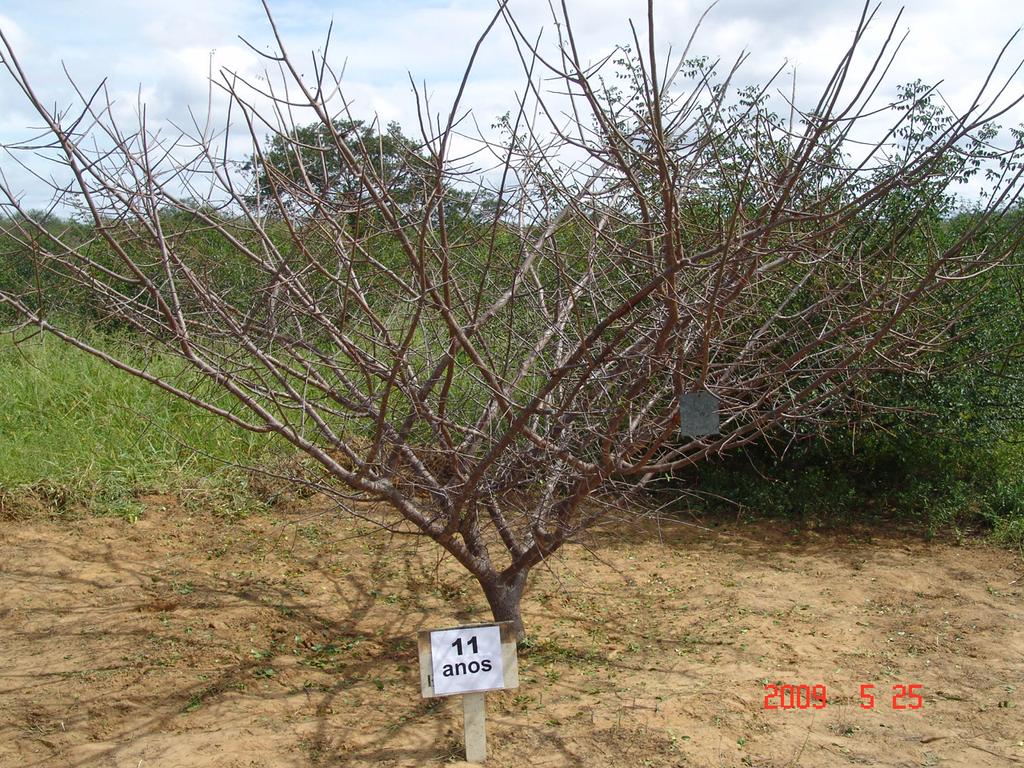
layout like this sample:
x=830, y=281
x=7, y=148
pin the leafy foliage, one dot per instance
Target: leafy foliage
x=345, y=167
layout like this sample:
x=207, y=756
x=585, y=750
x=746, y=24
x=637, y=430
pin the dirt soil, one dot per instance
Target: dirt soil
x=288, y=639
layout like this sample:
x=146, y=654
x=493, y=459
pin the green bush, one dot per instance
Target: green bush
x=918, y=475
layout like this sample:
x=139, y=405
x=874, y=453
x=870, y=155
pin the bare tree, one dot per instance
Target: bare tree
x=501, y=386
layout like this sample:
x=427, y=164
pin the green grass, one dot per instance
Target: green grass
x=75, y=431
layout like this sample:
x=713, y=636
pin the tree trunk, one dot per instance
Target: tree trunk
x=504, y=594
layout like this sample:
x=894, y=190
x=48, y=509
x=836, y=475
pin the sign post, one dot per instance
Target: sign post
x=474, y=726
x=469, y=661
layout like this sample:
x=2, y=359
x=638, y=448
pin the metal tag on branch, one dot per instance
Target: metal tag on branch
x=698, y=414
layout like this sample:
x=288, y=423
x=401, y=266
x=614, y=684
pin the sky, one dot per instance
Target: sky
x=162, y=52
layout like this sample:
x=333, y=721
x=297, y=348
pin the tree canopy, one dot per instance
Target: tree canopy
x=330, y=167
x=503, y=391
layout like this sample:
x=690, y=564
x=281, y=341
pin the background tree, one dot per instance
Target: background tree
x=302, y=173
x=502, y=387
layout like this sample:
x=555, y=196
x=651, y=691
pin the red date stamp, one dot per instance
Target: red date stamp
x=899, y=696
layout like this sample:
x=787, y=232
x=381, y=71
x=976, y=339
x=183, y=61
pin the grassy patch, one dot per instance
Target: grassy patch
x=75, y=432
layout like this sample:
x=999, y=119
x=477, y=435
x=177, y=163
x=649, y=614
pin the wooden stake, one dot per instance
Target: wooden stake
x=474, y=726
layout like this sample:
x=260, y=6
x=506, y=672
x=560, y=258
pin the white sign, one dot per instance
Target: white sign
x=466, y=659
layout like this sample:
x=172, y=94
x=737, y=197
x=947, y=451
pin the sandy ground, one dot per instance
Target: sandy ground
x=288, y=639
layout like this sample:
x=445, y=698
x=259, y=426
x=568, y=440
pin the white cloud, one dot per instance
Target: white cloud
x=167, y=47
x=14, y=33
